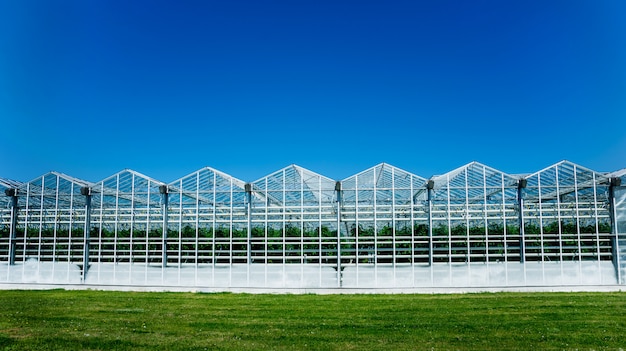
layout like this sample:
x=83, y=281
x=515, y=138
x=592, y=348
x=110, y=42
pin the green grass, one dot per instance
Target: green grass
x=102, y=320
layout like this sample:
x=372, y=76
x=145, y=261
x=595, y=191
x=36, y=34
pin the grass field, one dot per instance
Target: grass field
x=104, y=320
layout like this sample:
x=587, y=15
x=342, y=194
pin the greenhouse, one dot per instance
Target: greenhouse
x=384, y=227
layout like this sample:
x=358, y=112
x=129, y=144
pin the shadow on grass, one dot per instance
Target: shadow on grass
x=60, y=343
x=6, y=341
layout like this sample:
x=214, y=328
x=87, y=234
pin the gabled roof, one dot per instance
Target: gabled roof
x=386, y=180
x=125, y=176
x=206, y=178
x=382, y=175
x=53, y=188
x=562, y=179
x=481, y=181
x=206, y=186
x=45, y=180
x=293, y=184
x=129, y=186
x=566, y=170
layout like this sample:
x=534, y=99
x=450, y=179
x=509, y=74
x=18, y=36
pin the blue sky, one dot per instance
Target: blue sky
x=89, y=88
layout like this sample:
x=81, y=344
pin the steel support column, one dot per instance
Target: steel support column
x=87, y=231
x=430, y=185
x=248, y=188
x=165, y=208
x=521, y=184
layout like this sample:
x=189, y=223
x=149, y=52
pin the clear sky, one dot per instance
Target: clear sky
x=89, y=88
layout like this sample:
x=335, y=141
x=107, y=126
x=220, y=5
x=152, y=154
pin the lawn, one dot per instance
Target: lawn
x=104, y=320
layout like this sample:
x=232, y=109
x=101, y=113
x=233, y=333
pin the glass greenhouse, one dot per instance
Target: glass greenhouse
x=384, y=227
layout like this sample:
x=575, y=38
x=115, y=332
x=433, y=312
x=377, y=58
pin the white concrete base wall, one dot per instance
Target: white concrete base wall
x=481, y=275
x=36, y=272
x=307, y=276
x=236, y=275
